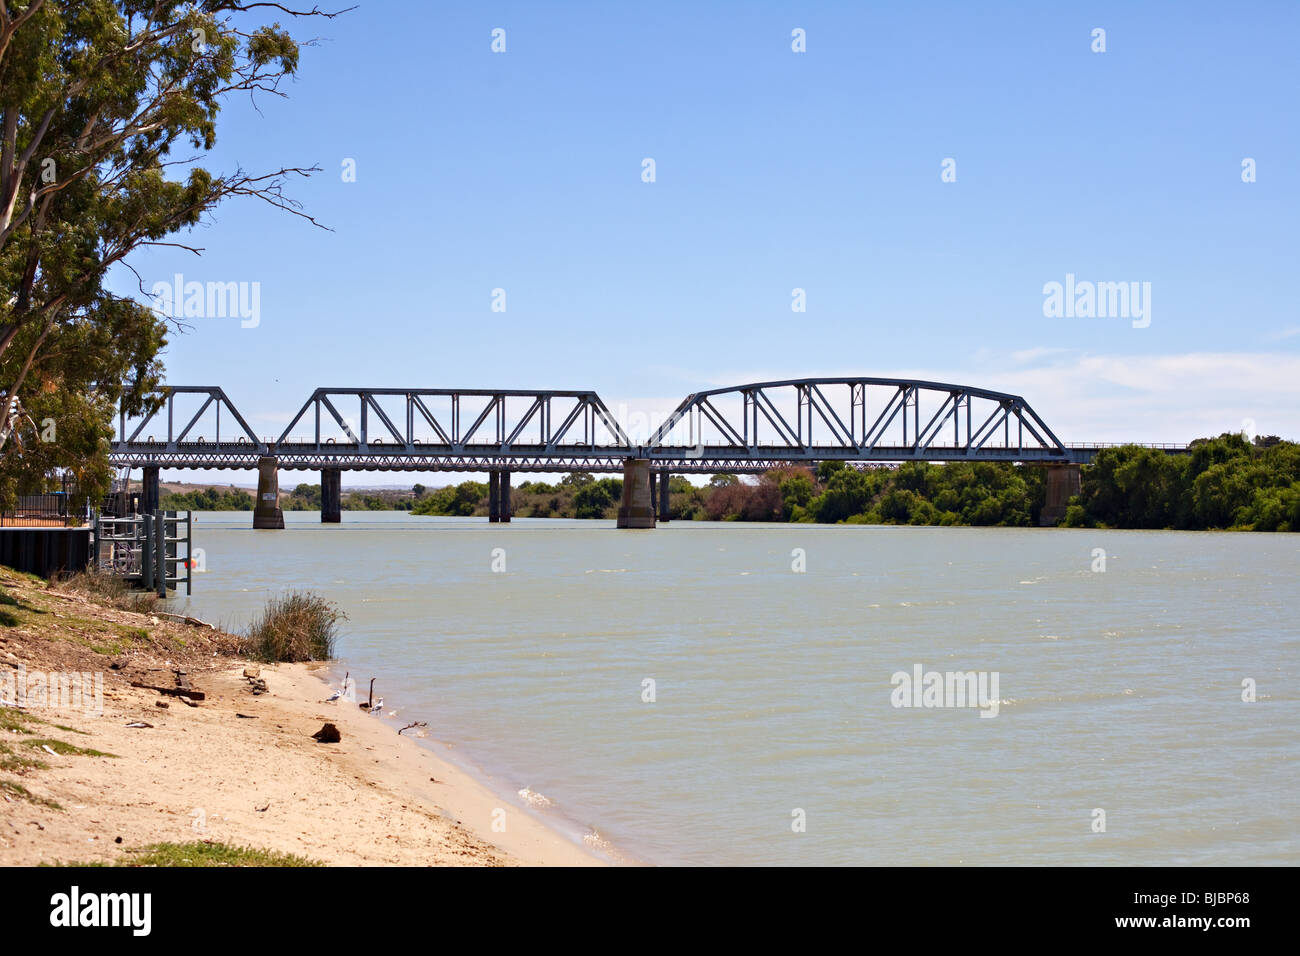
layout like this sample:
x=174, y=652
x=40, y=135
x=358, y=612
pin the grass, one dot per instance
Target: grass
x=8, y=600
x=203, y=853
x=7, y=617
x=17, y=763
x=110, y=589
x=106, y=638
x=62, y=622
x=102, y=637
x=65, y=749
x=22, y=793
x=297, y=626
x=13, y=720
x=15, y=723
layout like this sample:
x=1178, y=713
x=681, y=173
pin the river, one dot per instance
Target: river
x=695, y=698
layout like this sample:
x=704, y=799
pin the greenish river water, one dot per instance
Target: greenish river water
x=774, y=690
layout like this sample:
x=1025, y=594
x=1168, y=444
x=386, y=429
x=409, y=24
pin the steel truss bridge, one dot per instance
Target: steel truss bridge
x=743, y=429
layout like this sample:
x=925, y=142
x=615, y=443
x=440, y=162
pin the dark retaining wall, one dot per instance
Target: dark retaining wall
x=45, y=551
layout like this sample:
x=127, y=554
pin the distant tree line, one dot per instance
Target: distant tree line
x=577, y=495
x=1222, y=483
x=1225, y=482
x=302, y=498
x=207, y=499
x=915, y=493
x=307, y=498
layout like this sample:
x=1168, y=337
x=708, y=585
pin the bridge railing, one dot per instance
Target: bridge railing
x=1163, y=446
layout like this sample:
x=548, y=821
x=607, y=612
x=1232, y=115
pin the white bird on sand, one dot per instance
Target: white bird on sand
x=334, y=696
x=379, y=705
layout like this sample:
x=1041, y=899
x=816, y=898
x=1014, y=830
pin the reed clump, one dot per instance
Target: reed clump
x=295, y=626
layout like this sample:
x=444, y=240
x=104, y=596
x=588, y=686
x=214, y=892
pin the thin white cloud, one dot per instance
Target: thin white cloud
x=1032, y=355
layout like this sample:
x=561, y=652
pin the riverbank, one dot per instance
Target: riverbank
x=82, y=782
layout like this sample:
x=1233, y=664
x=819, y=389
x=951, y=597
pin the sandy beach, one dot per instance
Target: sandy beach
x=239, y=768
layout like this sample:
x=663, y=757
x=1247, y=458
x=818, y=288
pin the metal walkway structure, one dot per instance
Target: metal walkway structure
x=744, y=429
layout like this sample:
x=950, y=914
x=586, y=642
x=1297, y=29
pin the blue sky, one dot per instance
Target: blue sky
x=775, y=170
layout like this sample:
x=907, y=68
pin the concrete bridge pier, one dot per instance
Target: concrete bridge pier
x=150, y=494
x=267, y=513
x=637, y=507
x=499, y=496
x=1063, y=483
x=331, y=495
x=663, y=496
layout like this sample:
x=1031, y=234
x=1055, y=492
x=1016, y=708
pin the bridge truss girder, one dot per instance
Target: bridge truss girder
x=744, y=429
x=489, y=419
x=214, y=397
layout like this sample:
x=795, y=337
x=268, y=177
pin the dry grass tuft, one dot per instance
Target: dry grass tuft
x=297, y=626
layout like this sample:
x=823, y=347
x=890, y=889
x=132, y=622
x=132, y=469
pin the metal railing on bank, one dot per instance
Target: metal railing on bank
x=145, y=549
x=39, y=511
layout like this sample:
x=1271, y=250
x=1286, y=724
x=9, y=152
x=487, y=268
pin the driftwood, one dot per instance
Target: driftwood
x=187, y=619
x=171, y=691
x=416, y=723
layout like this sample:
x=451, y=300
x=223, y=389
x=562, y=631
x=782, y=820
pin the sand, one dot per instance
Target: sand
x=203, y=773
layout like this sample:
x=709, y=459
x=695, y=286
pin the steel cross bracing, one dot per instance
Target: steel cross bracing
x=747, y=428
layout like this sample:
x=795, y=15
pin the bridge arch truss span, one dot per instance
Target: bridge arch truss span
x=856, y=419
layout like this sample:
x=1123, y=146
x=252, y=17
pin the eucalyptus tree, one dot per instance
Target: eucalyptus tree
x=106, y=108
